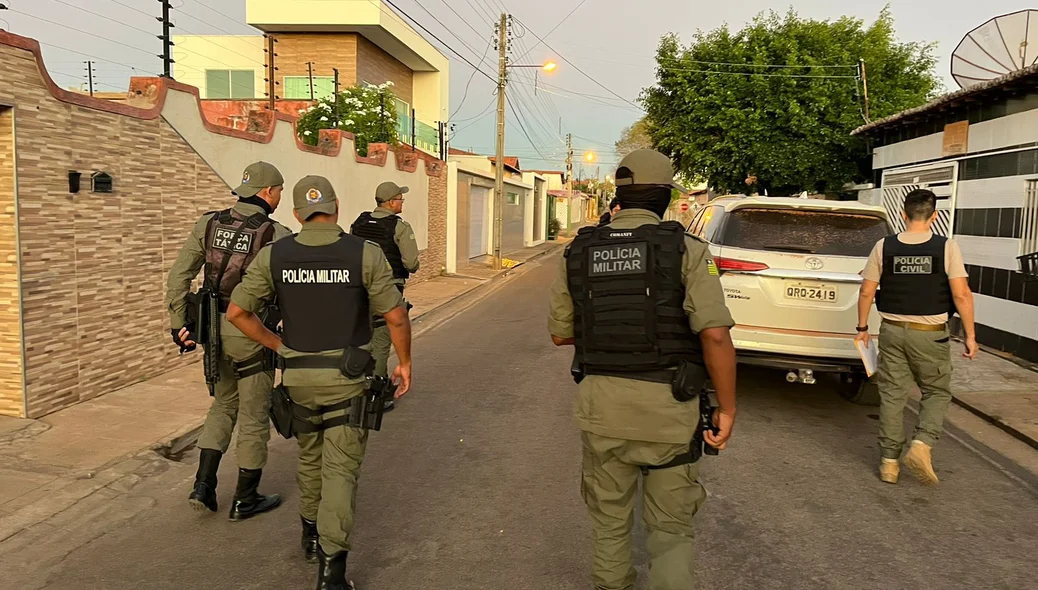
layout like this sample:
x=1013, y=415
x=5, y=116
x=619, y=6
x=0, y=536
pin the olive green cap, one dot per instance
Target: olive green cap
x=257, y=177
x=646, y=168
x=314, y=194
x=387, y=191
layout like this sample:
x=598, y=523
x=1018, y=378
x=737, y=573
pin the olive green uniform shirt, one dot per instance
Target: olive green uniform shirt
x=405, y=240
x=640, y=410
x=191, y=259
x=256, y=291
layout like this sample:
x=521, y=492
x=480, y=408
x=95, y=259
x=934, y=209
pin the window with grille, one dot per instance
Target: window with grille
x=298, y=87
x=511, y=198
x=1029, y=220
x=228, y=84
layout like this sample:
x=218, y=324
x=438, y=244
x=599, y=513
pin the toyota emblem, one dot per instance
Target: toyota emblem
x=814, y=263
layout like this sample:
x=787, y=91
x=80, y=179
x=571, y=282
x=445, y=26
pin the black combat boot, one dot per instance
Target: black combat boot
x=309, y=539
x=331, y=571
x=203, y=496
x=247, y=501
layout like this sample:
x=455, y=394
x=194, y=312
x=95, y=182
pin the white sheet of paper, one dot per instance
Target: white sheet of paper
x=869, y=355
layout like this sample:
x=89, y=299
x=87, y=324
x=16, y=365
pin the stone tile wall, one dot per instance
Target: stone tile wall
x=11, y=385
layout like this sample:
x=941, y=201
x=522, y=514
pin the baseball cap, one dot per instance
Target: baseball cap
x=646, y=167
x=389, y=190
x=257, y=177
x=314, y=194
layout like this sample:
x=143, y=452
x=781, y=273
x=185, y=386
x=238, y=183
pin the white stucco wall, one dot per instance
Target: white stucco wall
x=354, y=182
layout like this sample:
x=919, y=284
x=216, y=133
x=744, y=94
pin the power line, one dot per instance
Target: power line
x=211, y=9
x=57, y=24
x=576, y=67
x=430, y=33
x=131, y=8
x=445, y=3
x=553, y=29
x=519, y=120
x=473, y=75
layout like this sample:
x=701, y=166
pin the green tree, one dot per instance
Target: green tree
x=367, y=111
x=634, y=137
x=785, y=129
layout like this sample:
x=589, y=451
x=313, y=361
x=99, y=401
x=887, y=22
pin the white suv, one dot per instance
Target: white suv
x=790, y=269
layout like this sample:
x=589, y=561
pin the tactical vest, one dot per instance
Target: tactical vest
x=914, y=281
x=628, y=298
x=232, y=240
x=382, y=231
x=324, y=305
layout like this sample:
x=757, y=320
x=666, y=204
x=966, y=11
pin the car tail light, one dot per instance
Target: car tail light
x=733, y=265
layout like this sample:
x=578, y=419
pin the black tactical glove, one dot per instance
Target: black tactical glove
x=190, y=336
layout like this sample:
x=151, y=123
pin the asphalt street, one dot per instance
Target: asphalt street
x=473, y=483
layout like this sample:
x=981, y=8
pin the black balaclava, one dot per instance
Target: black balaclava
x=258, y=201
x=652, y=198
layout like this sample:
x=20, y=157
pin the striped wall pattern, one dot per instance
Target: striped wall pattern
x=93, y=266
x=894, y=203
x=12, y=391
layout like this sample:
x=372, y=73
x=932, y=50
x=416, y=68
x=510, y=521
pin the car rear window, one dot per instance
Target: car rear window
x=835, y=233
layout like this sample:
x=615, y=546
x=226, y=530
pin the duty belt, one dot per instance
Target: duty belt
x=917, y=326
x=310, y=361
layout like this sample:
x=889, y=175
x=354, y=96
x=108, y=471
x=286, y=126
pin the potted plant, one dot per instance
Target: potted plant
x=553, y=228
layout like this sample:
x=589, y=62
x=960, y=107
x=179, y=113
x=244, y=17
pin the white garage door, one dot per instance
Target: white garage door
x=478, y=221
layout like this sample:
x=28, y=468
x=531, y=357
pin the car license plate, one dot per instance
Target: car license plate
x=823, y=293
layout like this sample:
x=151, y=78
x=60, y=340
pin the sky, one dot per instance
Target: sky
x=604, y=49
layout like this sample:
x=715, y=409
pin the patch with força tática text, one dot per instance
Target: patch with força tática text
x=231, y=240
x=619, y=259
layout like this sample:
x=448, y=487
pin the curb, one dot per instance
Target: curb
x=994, y=420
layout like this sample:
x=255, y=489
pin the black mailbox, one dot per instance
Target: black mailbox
x=101, y=182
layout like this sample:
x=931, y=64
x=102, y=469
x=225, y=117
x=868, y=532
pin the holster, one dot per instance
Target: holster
x=697, y=447
x=576, y=369
x=282, y=415
x=688, y=382
x=364, y=411
x=356, y=363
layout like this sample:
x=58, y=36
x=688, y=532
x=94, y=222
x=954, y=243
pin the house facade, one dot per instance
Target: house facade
x=977, y=149
x=366, y=41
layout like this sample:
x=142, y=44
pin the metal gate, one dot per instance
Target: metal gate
x=939, y=178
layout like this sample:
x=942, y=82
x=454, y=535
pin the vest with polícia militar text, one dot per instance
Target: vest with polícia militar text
x=628, y=297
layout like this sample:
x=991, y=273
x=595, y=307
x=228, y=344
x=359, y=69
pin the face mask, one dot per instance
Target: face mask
x=652, y=198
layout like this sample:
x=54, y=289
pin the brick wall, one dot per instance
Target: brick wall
x=375, y=66
x=93, y=266
x=433, y=258
x=11, y=392
x=326, y=50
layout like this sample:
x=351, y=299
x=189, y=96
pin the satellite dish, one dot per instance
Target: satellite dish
x=996, y=48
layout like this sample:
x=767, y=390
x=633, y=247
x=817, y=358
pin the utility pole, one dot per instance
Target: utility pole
x=569, y=166
x=865, y=85
x=271, y=72
x=499, y=176
x=167, y=41
x=310, y=75
x=90, y=76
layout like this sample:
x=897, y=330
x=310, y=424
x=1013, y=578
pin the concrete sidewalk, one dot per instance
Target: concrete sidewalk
x=99, y=449
x=998, y=390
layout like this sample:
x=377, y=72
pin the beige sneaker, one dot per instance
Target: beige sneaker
x=918, y=461
x=888, y=470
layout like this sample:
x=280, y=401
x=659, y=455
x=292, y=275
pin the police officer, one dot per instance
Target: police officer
x=224, y=242
x=329, y=284
x=614, y=206
x=384, y=226
x=656, y=317
x=921, y=278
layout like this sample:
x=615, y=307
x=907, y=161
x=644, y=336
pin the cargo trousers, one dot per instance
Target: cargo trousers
x=671, y=498
x=910, y=358
x=381, y=343
x=329, y=467
x=245, y=402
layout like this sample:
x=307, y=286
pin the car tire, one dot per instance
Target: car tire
x=858, y=389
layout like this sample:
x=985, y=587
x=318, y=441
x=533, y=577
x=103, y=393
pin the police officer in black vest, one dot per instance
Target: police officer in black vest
x=384, y=227
x=641, y=302
x=921, y=280
x=329, y=285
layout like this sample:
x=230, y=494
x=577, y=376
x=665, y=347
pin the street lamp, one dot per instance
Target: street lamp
x=589, y=156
